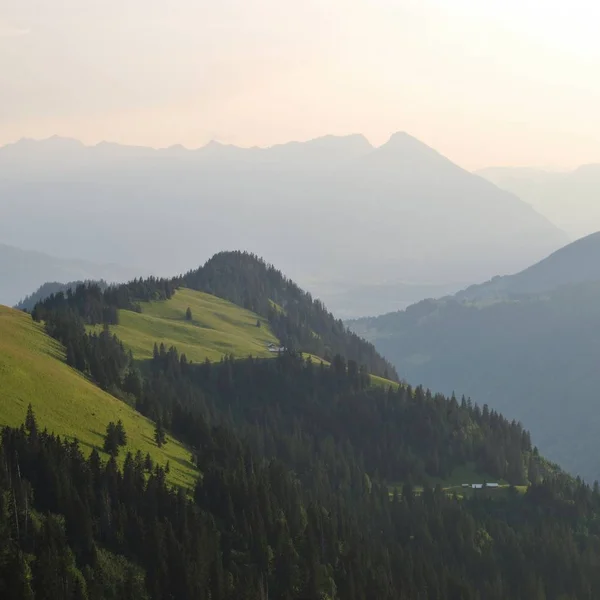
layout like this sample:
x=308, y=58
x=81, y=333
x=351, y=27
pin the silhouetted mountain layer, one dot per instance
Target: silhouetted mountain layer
x=568, y=199
x=23, y=271
x=328, y=208
x=527, y=345
x=578, y=262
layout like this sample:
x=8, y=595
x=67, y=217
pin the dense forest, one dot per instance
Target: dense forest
x=311, y=485
x=300, y=322
x=279, y=512
x=533, y=357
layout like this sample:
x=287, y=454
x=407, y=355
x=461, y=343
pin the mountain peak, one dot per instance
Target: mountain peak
x=404, y=149
x=404, y=142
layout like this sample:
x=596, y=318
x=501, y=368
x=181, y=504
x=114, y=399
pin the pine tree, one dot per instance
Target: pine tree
x=111, y=440
x=188, y=314
x=148, y=464
x=121, y=433
x=160, y=436
x=30, y=421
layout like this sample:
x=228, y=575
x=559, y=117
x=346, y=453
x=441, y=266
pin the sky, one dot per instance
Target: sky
x=486, y=83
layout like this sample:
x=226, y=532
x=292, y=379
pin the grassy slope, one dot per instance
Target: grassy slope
x=32, y=369
x=218, y=327
x=376, y=381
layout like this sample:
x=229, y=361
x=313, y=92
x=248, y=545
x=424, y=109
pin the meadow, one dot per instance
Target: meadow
x=217, y=328
x=33, y=370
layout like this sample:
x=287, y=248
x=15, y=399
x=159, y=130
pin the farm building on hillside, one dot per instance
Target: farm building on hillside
x=273, y=348
x=480, y=486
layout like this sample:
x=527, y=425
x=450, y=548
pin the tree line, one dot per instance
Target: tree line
x=313, y=485
x=299, y=321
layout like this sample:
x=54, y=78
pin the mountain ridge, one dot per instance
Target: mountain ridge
x=577, y=262
x=23, y=271
x=526, y=344
x=317, y=197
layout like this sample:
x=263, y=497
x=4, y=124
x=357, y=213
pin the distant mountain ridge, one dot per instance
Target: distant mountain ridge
x=47, y=152
x=53, y=287
x=568, y=198
x=577, y=262
x=23, y=271
x=398, y=213
x=526, y=344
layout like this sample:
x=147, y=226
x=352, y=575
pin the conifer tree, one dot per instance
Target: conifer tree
x=121, y=433
x=30, y=421
x=111, y=440
x=160, y=436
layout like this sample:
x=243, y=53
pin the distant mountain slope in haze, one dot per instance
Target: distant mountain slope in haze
x=51, y=287
x=533, y=357
x=23, y=271
x=335, y=205
x=569, y=199
x=577, y=262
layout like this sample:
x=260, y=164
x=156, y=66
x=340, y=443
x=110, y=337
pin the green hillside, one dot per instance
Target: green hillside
x=32, y=369
x=217, y=328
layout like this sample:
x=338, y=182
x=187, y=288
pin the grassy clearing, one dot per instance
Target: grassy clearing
x=217, y=328
x=465, y=474
x=32, y=369
x=382, y=382
x=376, y=381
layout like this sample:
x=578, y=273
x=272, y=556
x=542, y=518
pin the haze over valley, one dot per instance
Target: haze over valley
x=339, y=215
x=299, y=301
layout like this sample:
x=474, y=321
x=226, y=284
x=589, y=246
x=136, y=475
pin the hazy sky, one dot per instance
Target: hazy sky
x=512, y=82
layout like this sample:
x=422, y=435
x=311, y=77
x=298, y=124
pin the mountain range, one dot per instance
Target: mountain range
x=568, y=198
x=140, y=459
x=526, y=344
x=24, y=271
x=575, y=263
x=336, y=213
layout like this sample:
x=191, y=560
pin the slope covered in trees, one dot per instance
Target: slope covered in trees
x=33, y=370
x=533, y=358
x=47, y=289
x=293, y=501
x=296, y=465
x=299, y=321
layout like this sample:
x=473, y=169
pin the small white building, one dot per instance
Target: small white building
x=273, y=348
x=480, y=486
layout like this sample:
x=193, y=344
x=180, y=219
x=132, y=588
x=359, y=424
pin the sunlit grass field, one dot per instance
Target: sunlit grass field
x=217, y=328
x=32, y=370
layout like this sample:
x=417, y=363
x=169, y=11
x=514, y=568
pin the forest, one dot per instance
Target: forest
x=311, y=485
x=531, y=356
x=299, y=321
